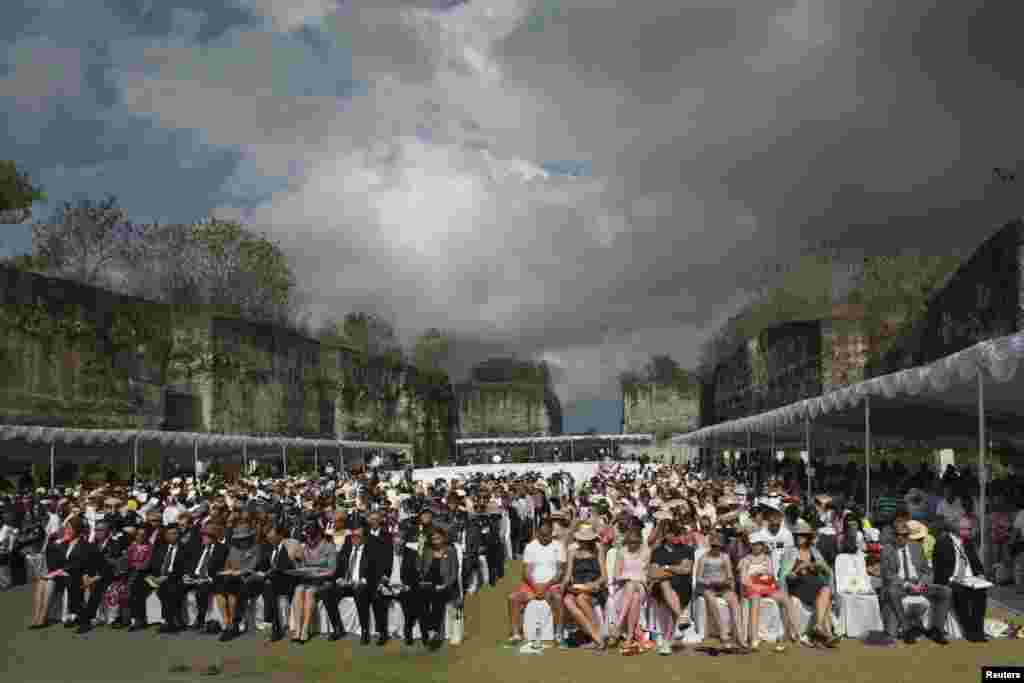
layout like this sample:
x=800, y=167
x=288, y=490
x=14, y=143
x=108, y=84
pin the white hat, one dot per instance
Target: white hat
x=176, y=480
x=759, y=537
x=143, y=497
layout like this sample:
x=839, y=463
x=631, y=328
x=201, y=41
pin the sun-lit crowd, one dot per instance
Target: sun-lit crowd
x=633, y=559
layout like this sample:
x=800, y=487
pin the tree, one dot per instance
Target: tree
x=220, y=264
x=661, y=369
x=89, y=242
x=16, y=194
x=369, y=334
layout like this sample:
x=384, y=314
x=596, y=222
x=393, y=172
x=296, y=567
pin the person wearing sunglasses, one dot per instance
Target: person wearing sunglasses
x=905, y=571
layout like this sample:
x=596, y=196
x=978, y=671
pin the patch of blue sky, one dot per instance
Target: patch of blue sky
x=569, y=167
x=449, y=5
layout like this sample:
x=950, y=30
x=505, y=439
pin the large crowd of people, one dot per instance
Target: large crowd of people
x=603, y=554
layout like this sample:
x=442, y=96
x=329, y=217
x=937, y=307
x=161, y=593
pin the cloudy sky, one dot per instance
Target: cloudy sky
x=586, y=182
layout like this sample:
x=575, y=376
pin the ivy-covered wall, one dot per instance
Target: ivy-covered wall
x=661, y=409
x=506, y=396
x=79, y=356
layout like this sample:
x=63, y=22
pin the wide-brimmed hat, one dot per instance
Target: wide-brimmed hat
x=803, y=529
x=662, y=515
x=917, y=530
x=585, y=533
x=727, y=502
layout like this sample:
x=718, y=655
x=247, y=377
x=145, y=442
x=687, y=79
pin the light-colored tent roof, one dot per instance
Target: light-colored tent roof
x=123, y=436
x=936, y=403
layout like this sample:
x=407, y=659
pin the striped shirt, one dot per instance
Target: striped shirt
x=887, y=506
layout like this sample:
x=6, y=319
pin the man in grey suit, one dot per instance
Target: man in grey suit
x=905, y=571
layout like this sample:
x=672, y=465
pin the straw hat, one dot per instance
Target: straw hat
x=585, y=533
x=803, y=529
x=662, y=515
x=917, y=530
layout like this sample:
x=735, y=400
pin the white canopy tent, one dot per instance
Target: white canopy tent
x=95, y=437
x=938, y=402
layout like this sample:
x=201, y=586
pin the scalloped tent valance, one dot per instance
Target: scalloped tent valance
x=91, y=437
x=945, y=389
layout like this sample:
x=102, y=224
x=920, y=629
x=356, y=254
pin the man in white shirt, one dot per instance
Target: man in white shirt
x=543, y=566
x=956, y=565
x=778, y=538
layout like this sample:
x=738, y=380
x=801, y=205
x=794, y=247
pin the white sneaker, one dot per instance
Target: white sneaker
x=664, y=647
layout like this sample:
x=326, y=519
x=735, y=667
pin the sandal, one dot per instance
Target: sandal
x=779, y=647
x=755, y=645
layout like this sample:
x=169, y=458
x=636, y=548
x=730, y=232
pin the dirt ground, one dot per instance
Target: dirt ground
x=57, y=654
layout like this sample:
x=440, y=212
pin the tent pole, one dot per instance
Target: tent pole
x=807, y=444
x=982, y=473
x=53, y=465
x=284, y=461
x=195, y=459
x=316, y=460
x=135, y=463
x=245, y=460
x=867, y=456
x=572, y=451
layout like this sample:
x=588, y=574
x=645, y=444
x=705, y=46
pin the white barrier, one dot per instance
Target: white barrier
x=580, y=471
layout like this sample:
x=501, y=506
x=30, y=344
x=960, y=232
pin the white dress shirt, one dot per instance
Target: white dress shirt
x=963, y=564
x=907, y=570
x=353, y=567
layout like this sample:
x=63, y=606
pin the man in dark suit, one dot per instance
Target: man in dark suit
x=78, y=561
x=106, y=553
x=382, y=545
x=202, y=570
x=189, y=538
x=278, y=583
x=956, y=559
x=357, y=576
x=167, y=571
x=905, y=571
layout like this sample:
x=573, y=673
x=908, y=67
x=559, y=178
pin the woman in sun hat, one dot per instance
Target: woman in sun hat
x=809, y=579
x=757, y=580
x=586, y=583
x=714, y=574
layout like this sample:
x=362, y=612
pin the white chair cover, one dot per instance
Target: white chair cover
x=537, y=621
x=859, y=612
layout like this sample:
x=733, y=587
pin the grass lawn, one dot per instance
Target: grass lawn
x=58, y=654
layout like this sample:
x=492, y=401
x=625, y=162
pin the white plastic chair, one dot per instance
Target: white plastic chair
x=859, y=610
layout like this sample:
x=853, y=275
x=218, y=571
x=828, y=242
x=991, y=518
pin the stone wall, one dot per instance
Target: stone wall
x=659, y=409
x=982, y=300
x=79, y=356
x=506, y=396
